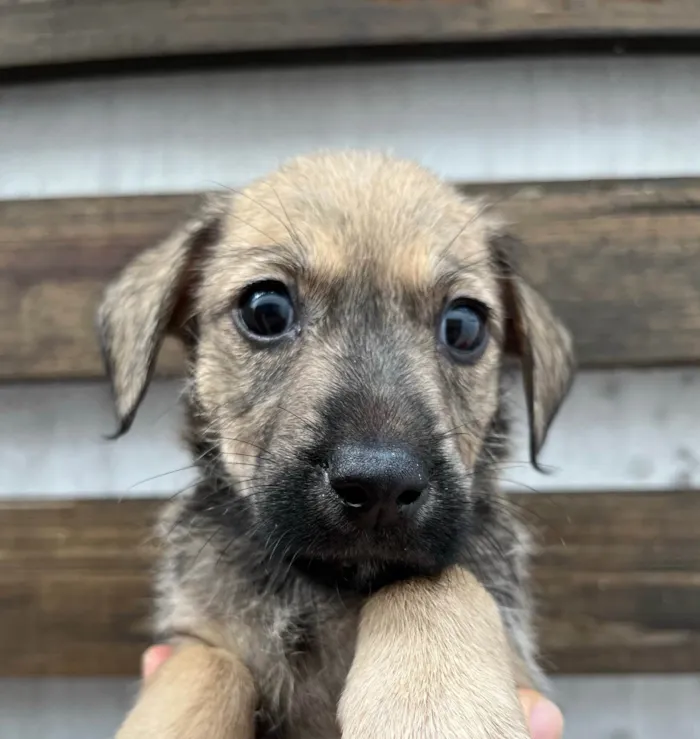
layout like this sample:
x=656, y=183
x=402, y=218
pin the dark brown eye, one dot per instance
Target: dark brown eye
x=266, y=310
x=463, y=330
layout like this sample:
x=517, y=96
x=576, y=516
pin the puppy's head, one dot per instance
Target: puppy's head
x=346, y=321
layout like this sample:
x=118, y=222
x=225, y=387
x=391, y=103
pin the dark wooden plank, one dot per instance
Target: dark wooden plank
x=74, y=589
x=619, y=260
x=618, y=580
x=55, y=257
x=54, y=31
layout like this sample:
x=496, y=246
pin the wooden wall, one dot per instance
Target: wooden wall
x=594, y=156
x=82, y=32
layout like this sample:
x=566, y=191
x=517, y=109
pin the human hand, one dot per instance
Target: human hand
x=543, y=717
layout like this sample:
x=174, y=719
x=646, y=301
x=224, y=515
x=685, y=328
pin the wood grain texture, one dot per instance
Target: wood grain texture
x=618, y=580
x=55, y=257
x=620, y=261
x=54, y=31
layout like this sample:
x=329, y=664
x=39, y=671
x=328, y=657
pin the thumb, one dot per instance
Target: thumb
x=543, y=717
x=153, y=658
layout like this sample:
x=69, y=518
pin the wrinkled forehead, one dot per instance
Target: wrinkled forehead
x=404, y=230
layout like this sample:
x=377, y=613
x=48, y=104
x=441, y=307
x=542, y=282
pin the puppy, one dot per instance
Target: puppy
x=346, y=565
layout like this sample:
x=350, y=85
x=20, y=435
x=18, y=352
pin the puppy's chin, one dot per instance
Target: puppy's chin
x=361, y=576
x=304, y=520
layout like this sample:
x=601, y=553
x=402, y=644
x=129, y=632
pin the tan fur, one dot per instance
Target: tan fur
x=200, y=693
x=431, y=660
x=324, y=217
x=430, y=657
x=210, y=606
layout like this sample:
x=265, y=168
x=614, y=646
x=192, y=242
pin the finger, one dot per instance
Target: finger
x=153, y=658
x=544, y=718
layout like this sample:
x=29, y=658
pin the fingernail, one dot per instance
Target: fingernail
x=546, y=720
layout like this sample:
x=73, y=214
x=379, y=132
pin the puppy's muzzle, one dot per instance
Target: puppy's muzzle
x=379, y=484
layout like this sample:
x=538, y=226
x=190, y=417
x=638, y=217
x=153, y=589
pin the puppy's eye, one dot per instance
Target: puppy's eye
x=266, y=310
x=463, y=330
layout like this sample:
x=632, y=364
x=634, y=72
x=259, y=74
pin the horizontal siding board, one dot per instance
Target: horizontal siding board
x=595, y=707
x=617, y=579
x=53, y=32
x=617, y=430
x=619, y=260
x=495, y=120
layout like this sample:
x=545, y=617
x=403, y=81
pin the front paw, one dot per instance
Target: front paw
x=400, y=706
x=431, y=662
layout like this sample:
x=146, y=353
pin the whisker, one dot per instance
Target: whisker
x=204, y=546
x=268, y=210
x=250, y=443
x=510, y=507
x=164, y=474
x=293, y=233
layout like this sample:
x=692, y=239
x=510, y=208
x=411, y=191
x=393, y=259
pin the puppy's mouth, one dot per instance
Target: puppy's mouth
x=368, y=517
x=361, y=575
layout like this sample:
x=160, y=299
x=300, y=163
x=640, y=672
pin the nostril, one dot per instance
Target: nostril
x=408, y=497
x=378, y=482
x=353, y=495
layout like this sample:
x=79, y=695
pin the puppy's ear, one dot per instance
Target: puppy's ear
x=540, y=340
x=145, y=302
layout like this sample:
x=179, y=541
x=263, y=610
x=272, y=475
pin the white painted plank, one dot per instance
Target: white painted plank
x=488, y=120
x=52, y=441
x=63, y=708
x=634, y=430
x=626, y=429
x=640, y=707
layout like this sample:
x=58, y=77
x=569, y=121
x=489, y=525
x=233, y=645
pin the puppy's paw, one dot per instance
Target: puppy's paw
x=432, y=662
x=389, y=708
x=200, y=693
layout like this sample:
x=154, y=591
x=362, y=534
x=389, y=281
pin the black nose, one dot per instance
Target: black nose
x=378, y=483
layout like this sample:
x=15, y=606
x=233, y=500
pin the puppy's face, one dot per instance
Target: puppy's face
x=346, y=320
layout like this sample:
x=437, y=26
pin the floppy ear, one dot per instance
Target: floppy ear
x=540, y=340
x=145, y=302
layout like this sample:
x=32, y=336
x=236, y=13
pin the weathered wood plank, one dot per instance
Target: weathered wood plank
x=53, y=31
x=619, y=260
x=55, y=257
x=618, y=580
